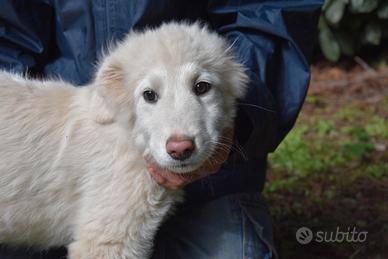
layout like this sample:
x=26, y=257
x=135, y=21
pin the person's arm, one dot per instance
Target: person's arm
x=274, y=40
x=25, y=36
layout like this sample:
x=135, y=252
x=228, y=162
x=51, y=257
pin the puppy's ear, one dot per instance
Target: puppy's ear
x=111, y=74
x=102, y=113
x=109, y=91
x=238, y=79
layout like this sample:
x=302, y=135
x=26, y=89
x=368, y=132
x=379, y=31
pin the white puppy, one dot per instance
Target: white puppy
x=73, y=160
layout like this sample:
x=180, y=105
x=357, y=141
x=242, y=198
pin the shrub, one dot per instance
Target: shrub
x=346, y=26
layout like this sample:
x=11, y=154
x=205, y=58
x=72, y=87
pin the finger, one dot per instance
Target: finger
x=172, y=187
x=176, y=179
x=170, y=180
x=185, y=179
x=167, y=175
x=173, y=182
x=159, y=179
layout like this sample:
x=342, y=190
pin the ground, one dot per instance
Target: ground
x=331, y=172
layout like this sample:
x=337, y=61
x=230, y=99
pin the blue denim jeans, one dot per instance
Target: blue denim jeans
x=230, y=227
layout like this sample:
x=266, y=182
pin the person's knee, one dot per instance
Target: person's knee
x=232, y=226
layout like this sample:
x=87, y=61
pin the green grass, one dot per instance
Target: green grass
x=317, y=144
x=331, y=170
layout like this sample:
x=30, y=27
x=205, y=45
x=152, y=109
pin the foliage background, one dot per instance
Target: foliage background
x=332, y=169
x=347, y=27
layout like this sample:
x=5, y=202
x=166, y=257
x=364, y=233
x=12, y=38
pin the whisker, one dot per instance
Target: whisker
x=225, y=147
x=257, y=106
x=241, y=149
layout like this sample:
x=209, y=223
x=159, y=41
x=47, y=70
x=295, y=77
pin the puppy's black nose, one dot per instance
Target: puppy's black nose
x=180, y=147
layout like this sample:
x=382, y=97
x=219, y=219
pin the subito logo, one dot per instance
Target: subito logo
x=304, y=235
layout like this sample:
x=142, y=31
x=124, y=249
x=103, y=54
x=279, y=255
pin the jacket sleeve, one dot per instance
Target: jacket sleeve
x=25, y=35
x=274, y=40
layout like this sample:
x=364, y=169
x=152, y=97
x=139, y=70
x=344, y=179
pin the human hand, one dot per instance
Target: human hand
x=175, y=181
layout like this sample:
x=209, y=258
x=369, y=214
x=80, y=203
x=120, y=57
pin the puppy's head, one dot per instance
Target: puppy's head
x=175, y=88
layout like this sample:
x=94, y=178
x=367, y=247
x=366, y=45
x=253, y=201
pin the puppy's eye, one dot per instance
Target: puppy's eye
x=202, y=88
x=150, y=96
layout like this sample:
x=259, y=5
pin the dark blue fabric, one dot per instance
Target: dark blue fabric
x=274, y=39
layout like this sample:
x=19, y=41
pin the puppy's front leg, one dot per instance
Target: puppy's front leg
x=119, y=218
x=90, y=249
x=108, y=246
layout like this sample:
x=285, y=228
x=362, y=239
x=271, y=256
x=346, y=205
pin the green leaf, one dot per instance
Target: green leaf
x=322, y=23
x=382, y=12
x=346, y=42
x=372, y=34
x=363, y=6
x=356, y=3
x=326, y=4
x=329, y=45
x=335, y=11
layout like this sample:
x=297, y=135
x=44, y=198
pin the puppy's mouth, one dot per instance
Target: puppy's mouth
x=177, y=167
x=182, y=168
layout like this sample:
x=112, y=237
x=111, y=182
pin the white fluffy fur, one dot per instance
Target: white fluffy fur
x=73, y=160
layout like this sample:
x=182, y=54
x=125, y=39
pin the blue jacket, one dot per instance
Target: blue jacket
x=273, y=38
